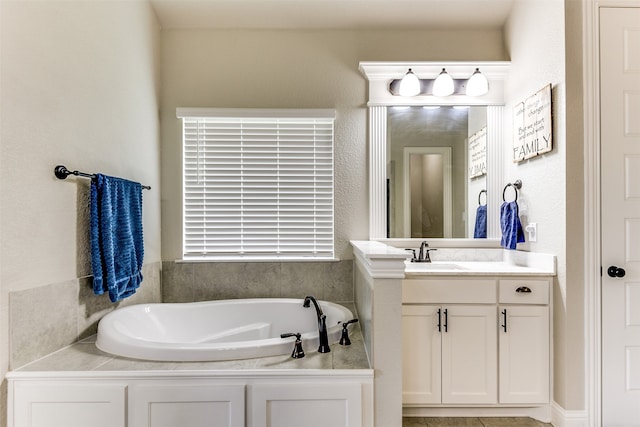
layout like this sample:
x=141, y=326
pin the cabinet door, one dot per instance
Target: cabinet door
x=166, y=405
x=421, y=357
x=469, y=355
x=67, y=404
x=309, y=405
x=524, y=354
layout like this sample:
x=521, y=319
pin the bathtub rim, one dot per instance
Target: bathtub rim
x=141, y=349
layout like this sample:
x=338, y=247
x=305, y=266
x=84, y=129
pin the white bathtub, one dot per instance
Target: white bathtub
x=215, y=330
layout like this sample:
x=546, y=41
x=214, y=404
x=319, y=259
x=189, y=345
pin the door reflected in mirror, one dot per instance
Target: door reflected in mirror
x=432, y=174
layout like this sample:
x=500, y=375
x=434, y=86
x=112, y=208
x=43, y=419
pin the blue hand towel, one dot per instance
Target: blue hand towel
x=117, y=246
x=512, y=232
x=480, y=231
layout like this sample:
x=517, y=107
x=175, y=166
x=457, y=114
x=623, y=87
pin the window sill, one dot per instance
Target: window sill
x=253, y=259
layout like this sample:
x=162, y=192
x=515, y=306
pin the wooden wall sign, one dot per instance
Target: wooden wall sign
x=532, y=127
x=478, y=153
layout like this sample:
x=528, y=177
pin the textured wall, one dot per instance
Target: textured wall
x=536, y=40
x=293, y=69
x=79, y=86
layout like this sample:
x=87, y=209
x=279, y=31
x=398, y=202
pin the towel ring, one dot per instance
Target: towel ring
x=485, y=197
x=516, y=186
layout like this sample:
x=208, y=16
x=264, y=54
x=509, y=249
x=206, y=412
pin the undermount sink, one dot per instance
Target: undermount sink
x=434, y=265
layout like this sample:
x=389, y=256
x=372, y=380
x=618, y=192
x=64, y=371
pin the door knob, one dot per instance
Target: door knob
x=614, y=271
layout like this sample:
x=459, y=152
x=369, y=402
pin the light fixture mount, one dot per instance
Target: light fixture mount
x=409, y=84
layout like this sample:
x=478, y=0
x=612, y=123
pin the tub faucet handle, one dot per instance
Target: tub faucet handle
x=344, y=339
x=298, y=352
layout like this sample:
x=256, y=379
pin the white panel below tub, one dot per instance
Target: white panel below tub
x=309, y=405
x=168, y=405
x=63, y=404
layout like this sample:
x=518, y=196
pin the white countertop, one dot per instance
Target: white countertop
x=473, y=268
x=389, y=261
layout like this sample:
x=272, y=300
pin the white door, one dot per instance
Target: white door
x=620, y=174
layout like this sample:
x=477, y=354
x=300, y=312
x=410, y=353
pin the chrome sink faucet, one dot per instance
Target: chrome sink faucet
x=322, y=325
x=423, y=253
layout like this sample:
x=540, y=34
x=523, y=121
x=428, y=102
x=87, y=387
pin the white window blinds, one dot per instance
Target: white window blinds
x=258, y=183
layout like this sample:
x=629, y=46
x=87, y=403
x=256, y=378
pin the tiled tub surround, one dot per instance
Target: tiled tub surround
x=48, y=318
x=82, y=366
x=205, y=281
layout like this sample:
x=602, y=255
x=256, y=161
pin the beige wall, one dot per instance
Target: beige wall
x=79, y=85
x=293, y=69
x=535, y=37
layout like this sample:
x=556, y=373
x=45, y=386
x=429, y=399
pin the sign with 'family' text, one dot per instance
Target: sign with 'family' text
x=478, y=153
x=532, y=128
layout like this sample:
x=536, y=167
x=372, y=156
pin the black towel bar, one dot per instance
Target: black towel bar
x=62, y=172
x=516, y=186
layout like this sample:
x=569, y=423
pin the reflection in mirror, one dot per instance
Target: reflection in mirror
x=434, y=179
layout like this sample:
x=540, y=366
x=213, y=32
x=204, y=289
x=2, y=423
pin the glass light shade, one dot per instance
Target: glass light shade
x=443, y=85
x=409, y=85
x=477, y=85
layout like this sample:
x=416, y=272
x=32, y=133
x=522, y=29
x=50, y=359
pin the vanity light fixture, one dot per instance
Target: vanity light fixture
x=443, y=85
x=409, y=85
x=477, y=85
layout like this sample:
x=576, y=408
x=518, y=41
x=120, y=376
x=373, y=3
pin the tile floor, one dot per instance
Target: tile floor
x=471, y=422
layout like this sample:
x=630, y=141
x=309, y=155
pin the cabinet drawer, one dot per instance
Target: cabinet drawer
x=445, y=291
x=514, y=291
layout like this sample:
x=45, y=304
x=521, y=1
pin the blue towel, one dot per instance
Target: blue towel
x=512, y=233
x=117, y=246
x=480, y=231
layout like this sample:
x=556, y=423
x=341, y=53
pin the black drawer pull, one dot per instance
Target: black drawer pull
x=524, y=289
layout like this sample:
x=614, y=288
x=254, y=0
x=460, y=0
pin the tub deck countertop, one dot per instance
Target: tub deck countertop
x=84, y=356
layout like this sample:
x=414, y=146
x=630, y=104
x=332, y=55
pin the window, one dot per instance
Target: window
x=258, y=184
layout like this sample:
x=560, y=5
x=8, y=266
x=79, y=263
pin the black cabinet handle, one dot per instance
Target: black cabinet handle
x=504, y=326
x=524, y=289
x=615, y=271
x=439, y=320
x=446, y=320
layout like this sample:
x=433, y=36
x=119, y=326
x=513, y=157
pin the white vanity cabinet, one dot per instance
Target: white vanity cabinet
x=524, y=341
x=337, y=398
x=451, y=352
x=458, y=350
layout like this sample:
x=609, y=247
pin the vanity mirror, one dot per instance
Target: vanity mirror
x=435, y=173
x=389, y=211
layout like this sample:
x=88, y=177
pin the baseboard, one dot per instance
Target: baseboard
x=560, y=417
x=540, y=413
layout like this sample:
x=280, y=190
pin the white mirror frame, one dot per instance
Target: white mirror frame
x=379, y=74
